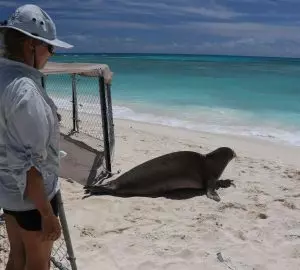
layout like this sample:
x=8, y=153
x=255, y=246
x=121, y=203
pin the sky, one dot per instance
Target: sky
x=230, y=27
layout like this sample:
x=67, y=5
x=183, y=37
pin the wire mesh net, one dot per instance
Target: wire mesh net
x=85, y=106
x=59, y=256
x=78, y=101
x=89, y=108
x=4, y=246
x=59, y=87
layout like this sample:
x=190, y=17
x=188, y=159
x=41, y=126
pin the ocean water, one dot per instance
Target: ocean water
x=248, y=96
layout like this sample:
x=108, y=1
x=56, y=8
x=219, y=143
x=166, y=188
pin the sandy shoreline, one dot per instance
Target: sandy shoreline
x=255, y=226
x=256, y=147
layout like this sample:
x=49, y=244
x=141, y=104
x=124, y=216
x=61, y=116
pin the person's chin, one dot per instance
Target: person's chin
x=41, y=66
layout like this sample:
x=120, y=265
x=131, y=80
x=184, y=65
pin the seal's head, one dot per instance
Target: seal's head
x=218, y=159
x=222, y=152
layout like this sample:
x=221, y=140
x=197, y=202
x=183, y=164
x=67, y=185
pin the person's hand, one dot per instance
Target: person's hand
x=51, y=229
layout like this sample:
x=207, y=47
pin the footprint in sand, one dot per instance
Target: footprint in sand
x=185, y=254
x=234, y=234
x=261, y=206
x=289, y=205
x=286, y=203
x=179, y=266
x=294, y=251
x=291, y=237
x=266, y=167
x=285, y=188
x=206, y=217
x=257, y=214
x=256, y=190
x=232, y=206
x=86, y=231
x=262, y=216
x=147, y=266
x=292, y=174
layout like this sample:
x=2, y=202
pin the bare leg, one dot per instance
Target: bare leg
x=16, y=259
x=37, y=252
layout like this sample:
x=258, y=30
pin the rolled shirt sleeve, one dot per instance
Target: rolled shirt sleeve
x=28, y=130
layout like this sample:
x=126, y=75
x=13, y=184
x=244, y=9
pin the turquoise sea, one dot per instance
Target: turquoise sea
x=251, y=96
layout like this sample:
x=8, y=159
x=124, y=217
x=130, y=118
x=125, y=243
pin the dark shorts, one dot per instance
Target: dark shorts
x=31, y=220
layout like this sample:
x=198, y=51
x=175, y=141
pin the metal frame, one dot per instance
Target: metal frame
x=108, y=138
x=63, y=220
x=110, y=114
x=75, y=105
x=103, y=105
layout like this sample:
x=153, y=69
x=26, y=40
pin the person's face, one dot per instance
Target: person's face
x=42, y=53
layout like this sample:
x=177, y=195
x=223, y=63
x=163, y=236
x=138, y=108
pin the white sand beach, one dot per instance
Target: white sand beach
x=255, y=226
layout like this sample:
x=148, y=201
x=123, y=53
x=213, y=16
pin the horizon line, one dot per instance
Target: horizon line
x=183, y=54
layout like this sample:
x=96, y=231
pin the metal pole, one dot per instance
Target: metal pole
x=110, y=120
x=43, y=82
x=66, y=233
x=103, y=106
x=75, y=104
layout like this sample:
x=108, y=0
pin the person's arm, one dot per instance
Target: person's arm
x=29, y=126
x=36, y=193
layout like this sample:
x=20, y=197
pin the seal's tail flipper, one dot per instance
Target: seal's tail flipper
x=99, y=190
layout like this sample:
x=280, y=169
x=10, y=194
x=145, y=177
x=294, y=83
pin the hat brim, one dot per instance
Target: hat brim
x=54, y=42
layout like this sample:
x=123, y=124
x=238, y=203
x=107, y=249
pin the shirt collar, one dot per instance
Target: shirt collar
x=32, y=72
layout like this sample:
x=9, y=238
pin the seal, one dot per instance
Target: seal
x=173, y=171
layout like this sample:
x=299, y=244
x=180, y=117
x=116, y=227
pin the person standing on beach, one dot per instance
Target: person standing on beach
x=29, y=139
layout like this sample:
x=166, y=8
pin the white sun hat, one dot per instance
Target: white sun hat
x=34, y=22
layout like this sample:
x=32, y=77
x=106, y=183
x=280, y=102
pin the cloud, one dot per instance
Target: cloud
x=94, y=13
x=95, y=24
x=129, y=39
x=213, y=11
x=259, y=31
x=72, y=4
x=218, y=13
x=78, y=37
x=271, y=2
x=9, y=4
x=245, y=47
x=164, y=8
x=124, y=24
x=256, y=1
x=190, y=26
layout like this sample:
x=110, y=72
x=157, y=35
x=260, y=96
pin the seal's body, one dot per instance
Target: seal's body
x=173, y=171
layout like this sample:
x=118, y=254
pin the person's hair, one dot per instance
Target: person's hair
x=13, y=44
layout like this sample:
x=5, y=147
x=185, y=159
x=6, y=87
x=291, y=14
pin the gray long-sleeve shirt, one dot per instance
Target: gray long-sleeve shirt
x=29, y=134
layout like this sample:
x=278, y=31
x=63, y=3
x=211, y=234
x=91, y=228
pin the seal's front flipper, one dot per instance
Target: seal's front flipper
x=225, y=183
x=212, y=194
x=211, y=190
